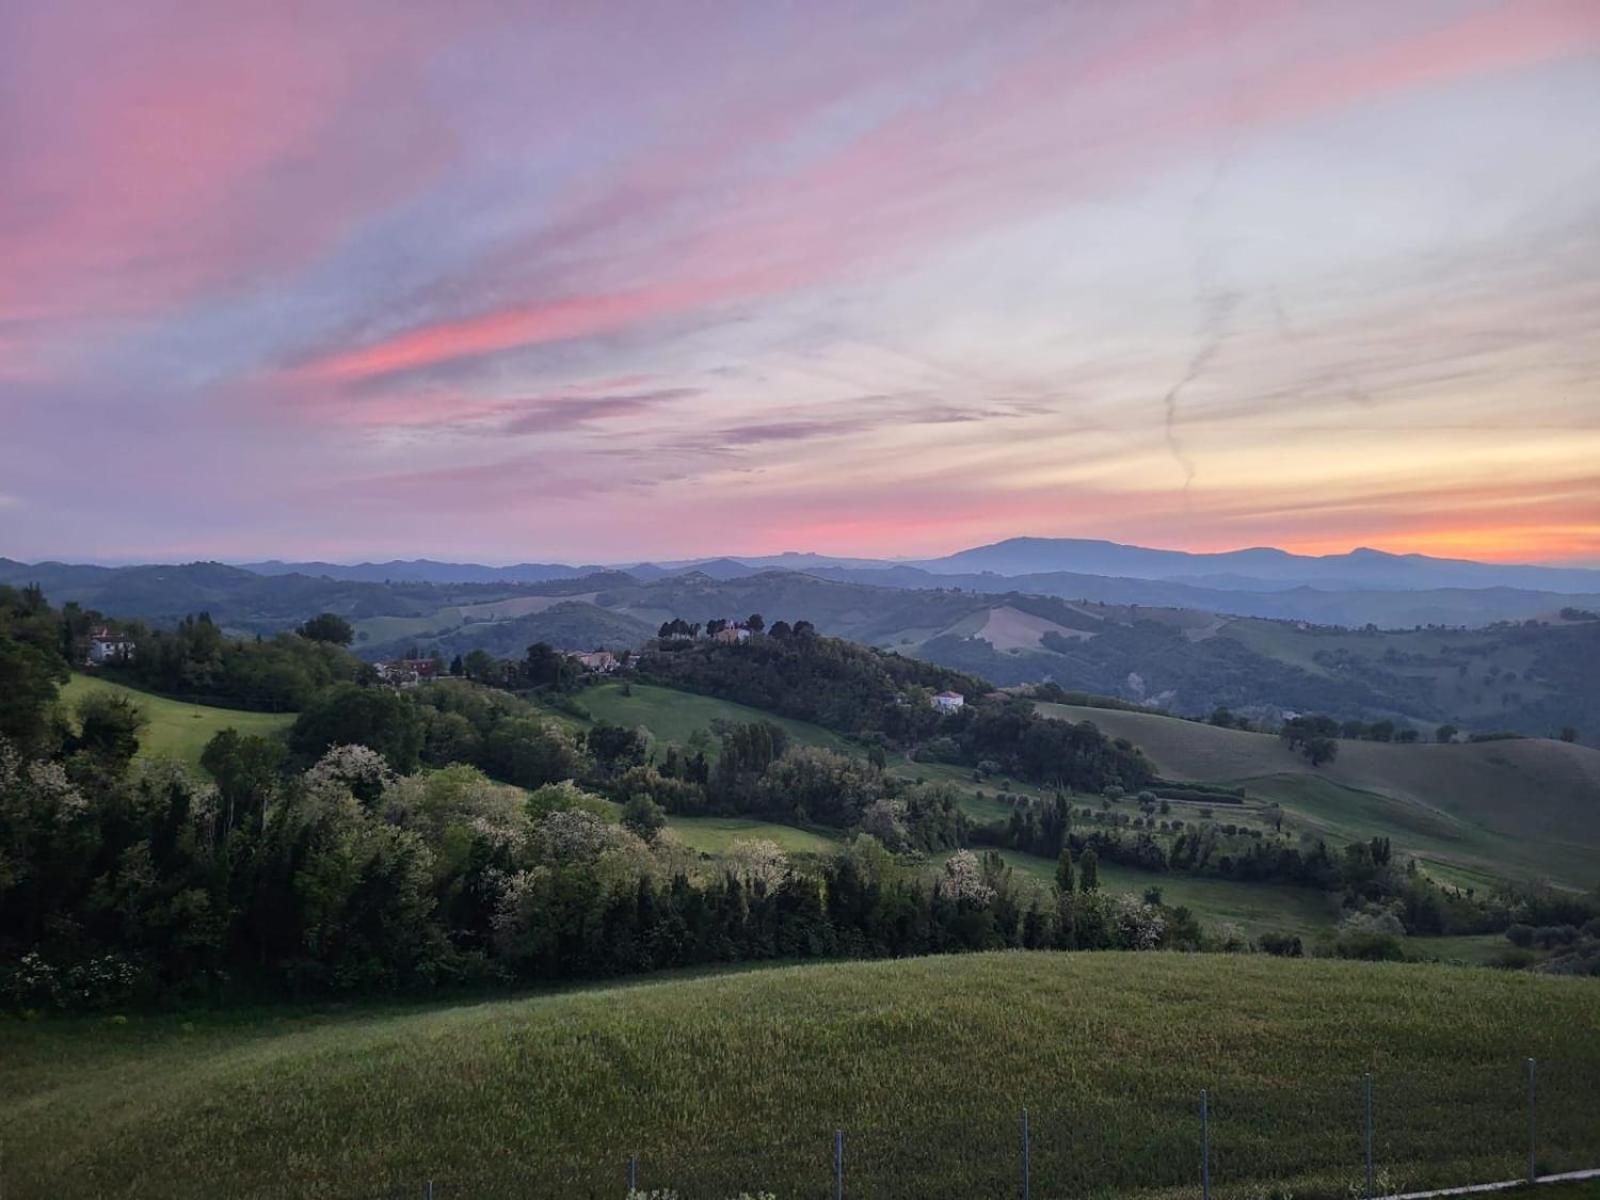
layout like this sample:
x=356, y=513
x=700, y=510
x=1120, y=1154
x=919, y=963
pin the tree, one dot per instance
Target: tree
x=1089, y=871
x=754, y=623
x=109, y=725
x=458, y=668
x=478, y=665
x=328, y=627
x=28, y=679
x=1320, y=750
x=1569, y=733
x=1064, y=871
x=545, y=666
x=350, y=715
x=644, y=816
x=245, y=768
x=1446, y=733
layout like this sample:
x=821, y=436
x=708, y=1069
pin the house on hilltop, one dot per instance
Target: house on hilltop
x=602, y=662
x=106, y=646
x=407, y=672
x=949, y=702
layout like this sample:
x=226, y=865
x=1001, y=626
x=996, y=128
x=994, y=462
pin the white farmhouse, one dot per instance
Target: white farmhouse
x=949, y=702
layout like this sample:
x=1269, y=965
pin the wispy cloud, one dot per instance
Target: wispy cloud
x=857, y=277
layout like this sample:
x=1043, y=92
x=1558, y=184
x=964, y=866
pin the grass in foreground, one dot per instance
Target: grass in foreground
x=723, y=1083
x=177, y=729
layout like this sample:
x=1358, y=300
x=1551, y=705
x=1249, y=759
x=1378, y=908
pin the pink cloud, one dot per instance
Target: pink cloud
x=954, y=164
x=162, y=149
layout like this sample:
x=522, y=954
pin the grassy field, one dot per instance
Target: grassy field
x=727, y=1082
x=713, y=835
x=673, y=716
x=1529, y=807
x=1256, y=908
x=179, y=730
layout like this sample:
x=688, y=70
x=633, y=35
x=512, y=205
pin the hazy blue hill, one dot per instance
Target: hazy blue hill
x=1361, y=568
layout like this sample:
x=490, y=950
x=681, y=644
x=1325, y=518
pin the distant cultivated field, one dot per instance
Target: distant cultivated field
x=179, y=730
x=723, y=1083
x=673, y=716
x=1256, y=908
x=1528, y=806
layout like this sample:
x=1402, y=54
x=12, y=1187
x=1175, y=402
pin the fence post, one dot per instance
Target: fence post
x=430, y=1189
x=1367, y=1081
x=1026, y=1159
x=1533, y=1119
x=1205, y=1146
x=633, y=1173
x=838, y=1164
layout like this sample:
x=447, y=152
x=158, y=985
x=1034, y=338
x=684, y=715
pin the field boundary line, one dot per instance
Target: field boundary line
x=1504, y=1185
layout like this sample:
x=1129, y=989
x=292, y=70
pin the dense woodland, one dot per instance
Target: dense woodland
x=461, y=833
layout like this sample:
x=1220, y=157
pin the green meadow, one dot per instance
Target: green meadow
x=720, y=1083
x=177, y=729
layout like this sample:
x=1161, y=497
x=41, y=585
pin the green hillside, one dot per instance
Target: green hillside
x=179, y=730
x=729, y=1082
x=673, y=716
x=1256, y=908
x=1524, y=807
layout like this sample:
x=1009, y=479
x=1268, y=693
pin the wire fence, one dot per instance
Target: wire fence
x=1345, y=1137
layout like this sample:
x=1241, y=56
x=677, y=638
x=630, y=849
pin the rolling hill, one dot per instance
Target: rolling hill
x=1532, y=678
x=1519, y=806
x=735, y=1082
x=177, y=729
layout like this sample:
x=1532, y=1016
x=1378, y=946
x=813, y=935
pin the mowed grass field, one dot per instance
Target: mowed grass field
x=674, y=716
x=179, y=730
x=1527, y=807
x=721, y=1083
x=1256, y=908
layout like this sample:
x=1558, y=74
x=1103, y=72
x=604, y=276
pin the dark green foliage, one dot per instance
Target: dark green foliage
x=328, y=627
x=108, y=729
x=195, y=661
x=644, y=816
x=245, y=769
x=35, y=643
x=351, y=715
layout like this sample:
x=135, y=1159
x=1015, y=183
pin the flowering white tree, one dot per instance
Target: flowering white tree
x=1140, y=925
x=963, y=879
x=885, y=820
x=757, y=861
x=358, y=768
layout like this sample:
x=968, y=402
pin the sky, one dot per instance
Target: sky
x=583, y=282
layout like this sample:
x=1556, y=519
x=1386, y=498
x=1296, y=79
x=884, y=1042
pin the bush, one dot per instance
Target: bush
x=1282, y=945
x=1519, y=934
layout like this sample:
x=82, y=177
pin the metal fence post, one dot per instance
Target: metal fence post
x=1533, y=1119
x=838, y=1164
x=633, y=1173
x=430, y=1189
x=1367, y=1081
x=1026, y=1158
x=1205, y=1146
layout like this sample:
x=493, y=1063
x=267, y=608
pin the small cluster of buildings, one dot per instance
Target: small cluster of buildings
x=407, y=672
x=949, y=702
x=105, y=646
x=601, y=662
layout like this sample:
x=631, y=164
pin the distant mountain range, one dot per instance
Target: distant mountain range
x=1363, y=587
x=1260, y=569
x=1165, y=642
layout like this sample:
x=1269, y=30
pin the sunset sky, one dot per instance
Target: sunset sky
x=599, y=282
